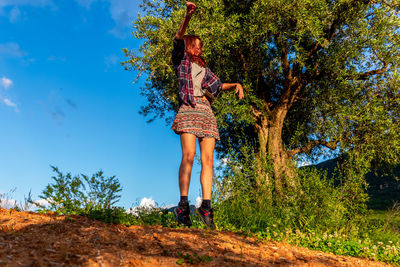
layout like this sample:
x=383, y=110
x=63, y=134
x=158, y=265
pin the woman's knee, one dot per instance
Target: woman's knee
x=188, y=157
x=207, y=160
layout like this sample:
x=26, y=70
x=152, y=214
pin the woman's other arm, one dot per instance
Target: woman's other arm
x=231, y=86
x=190, y=8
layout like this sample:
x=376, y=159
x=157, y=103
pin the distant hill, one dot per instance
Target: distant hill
x=383, y=189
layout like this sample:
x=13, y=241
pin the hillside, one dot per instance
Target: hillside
x=30, y=239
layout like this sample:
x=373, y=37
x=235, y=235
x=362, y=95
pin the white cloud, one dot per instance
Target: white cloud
x=11, y=50
x=147, y=203
x=55, y=58
x=123, y=12
x=9, y=103
x=5, y=82
x=14, y=15
x=167, y=207
x=6, y=203
x=304, y=163
x=85, y=3
x=39, y=3
x=111, y=59
x=43, y=202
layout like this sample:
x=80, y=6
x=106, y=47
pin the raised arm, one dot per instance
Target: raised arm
x=190, y=8
x=231, y=86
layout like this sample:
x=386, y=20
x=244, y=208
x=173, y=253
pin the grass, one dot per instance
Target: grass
x=7, y=202
x=387, y=220
x=378, y=239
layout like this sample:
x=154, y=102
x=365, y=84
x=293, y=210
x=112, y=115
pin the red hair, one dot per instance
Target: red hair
x=190, y=44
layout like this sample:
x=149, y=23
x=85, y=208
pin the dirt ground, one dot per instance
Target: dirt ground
x=30, y=239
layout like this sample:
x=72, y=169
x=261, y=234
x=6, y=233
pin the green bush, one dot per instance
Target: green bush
x=80, y=194
x=245, y=201
x=114, y=215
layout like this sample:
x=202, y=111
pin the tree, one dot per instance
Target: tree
x=320, y=76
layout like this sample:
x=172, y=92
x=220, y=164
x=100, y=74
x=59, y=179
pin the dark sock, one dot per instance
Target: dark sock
x=184, y=199
x=206, y=204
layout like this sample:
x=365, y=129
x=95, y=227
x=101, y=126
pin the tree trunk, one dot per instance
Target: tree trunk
x=271, y=148
x=264, y=177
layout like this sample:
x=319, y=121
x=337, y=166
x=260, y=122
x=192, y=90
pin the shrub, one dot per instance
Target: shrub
x=80, y=194
x=245, y=201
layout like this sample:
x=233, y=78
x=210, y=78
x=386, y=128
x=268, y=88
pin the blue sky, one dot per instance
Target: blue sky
x=66, y=101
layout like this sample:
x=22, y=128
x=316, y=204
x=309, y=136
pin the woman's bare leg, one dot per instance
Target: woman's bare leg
x=188, y=144
x=206, y=177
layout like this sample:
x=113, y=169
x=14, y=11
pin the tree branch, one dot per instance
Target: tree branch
x=331, y=32
x=307, y=148
x=287, y=71
x=366, y=75
x=243, y=59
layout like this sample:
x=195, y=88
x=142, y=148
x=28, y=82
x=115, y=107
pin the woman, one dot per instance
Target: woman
x=197, y=87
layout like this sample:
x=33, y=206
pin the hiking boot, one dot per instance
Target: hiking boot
x=182, y=214
x=206, y=216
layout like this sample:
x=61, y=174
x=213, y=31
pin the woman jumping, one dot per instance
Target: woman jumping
x=197, y=86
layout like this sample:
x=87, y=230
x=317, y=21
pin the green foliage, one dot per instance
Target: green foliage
x=140, y=216
x=114, y=215
x=326, y=213
x=95, y=197
x=238, y=202
x=383, y=226
x=342, y=62
x=156, y=216
x=317, y=204
x=342, y=244
x=192, y=259
x=102, y=190
x=74, y=195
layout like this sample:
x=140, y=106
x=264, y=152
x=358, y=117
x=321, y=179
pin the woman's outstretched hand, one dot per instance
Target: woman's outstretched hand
x=239, y=91
x=231, y=86
x=190, y=8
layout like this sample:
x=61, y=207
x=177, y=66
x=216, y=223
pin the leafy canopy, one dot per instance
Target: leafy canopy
x=335, y=63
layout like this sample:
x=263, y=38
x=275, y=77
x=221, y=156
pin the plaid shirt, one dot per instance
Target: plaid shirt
x=183, y=69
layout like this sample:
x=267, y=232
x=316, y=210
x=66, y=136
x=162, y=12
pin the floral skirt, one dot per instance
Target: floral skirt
x=198, y=120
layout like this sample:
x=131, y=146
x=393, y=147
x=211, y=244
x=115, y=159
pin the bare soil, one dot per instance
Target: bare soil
x=31, y=239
